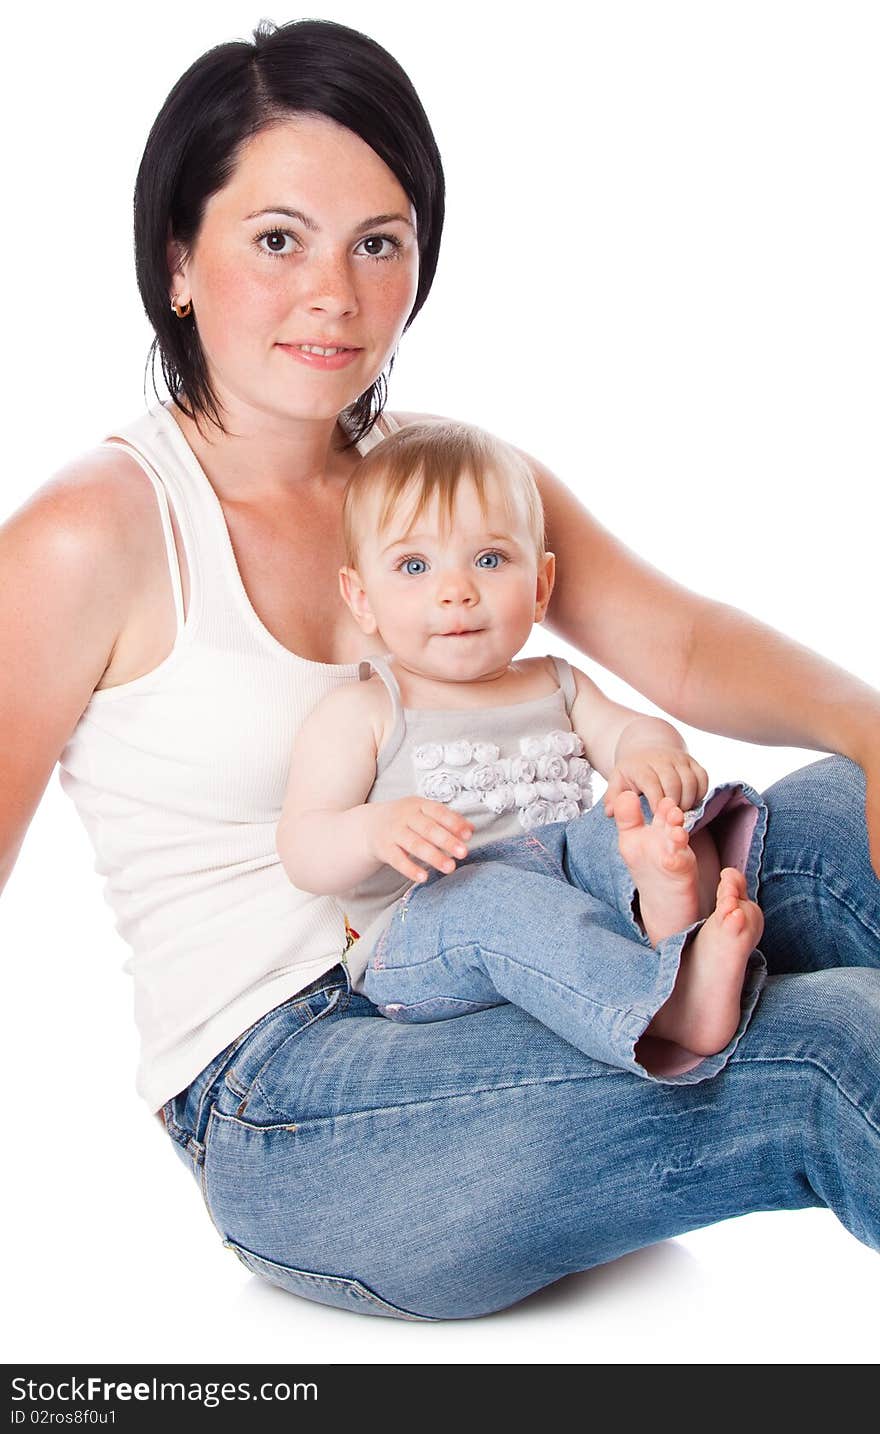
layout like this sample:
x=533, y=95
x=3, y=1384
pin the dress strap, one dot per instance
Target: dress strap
x=379, y=664
x=566, y=681
x=165, y=515
x=384, y=426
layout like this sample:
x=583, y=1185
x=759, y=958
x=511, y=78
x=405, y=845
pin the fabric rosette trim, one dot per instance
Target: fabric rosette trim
x=550, y=780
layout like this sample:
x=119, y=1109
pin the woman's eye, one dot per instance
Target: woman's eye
x=490, y=560
x=395, y=246
x=275, y=241
x=414, y=566
x=279, y=243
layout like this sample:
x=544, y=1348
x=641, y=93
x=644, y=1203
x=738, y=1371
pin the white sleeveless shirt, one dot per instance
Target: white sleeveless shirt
x=179, y=778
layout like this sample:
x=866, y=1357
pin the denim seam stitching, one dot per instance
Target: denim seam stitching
x=626, y=1011
x=357, y=1286
x=547, y=857
x=808, y=1061
x=203, y=1177
x=605, y=1072
x=296, y=1005
x=820, y=876
x=256, y=1084
x=173, y=1130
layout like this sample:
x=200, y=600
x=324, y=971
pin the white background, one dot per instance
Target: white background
x=659, y=275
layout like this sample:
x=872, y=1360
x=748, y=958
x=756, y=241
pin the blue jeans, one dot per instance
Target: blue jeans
x=545, y=920
x=445, y=1170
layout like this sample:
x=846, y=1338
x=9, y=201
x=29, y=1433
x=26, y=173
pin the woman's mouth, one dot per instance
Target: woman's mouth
x=321, y=356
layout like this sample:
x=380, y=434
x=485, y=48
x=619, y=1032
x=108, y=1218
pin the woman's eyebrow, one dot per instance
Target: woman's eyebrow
x=308, y=223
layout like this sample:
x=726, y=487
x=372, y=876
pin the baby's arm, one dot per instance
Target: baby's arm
x=322, y=835
x=329, y=838
x=633, y=751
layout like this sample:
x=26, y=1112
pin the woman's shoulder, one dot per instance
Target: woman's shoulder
x=91, y=507
x=73, y=561
x=95, y=492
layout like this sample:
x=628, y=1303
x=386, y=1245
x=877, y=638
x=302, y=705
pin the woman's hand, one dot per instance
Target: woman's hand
x=660, y=772
x=417, y=827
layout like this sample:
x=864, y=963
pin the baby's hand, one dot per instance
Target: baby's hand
x=658, y=772
x=417, y=827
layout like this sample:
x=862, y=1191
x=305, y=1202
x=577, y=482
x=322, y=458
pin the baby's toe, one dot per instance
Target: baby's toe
x=668, y=812
x=732, y=883
x=735, y=920
x=628, y=811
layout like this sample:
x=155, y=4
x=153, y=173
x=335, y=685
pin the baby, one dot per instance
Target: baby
x=445, y=798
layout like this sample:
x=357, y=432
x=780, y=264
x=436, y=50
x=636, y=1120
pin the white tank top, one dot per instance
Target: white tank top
x=179, y=778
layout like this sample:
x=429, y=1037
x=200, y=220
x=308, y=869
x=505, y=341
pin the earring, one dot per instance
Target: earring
x=182, y=310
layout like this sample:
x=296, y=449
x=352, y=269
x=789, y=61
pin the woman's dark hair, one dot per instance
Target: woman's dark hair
x=225, y=98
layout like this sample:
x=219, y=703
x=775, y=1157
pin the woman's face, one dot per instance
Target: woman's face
x=341, y=270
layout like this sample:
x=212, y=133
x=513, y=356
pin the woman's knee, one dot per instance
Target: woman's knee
x=819, y=893
x=818, y=809
x=828, y=1019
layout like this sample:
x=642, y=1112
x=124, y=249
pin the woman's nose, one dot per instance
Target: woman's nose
x=330, y=286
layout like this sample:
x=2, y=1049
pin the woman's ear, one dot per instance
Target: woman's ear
x=544, y=587
x=355, y=598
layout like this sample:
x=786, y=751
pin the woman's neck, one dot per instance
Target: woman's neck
x=258, y=458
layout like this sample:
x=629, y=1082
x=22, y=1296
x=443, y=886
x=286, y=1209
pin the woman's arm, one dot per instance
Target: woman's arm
x=704, y=662
x=67, y=574
x=634, y=752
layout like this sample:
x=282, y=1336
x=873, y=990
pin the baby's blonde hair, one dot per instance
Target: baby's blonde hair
x=428, y=460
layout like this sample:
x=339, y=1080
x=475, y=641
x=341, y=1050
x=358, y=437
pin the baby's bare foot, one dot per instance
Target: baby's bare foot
x=661, y=863
x=704, y=1009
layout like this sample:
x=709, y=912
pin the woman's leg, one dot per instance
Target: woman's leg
x=446, y=1170
x=818, y=892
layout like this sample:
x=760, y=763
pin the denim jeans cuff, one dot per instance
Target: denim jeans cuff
x=737, y=818
x=674, y=1064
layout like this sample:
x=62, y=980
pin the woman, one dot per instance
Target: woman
x=171, y=703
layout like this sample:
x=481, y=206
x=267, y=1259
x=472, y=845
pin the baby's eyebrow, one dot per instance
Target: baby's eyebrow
x=412, y=539
x=405, y=542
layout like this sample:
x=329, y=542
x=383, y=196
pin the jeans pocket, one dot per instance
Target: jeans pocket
x=255, y=1055
x=336, y=1290
x=435, y=1008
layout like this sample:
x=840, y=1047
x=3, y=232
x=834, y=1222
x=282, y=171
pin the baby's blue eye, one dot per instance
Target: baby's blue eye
x=414, y=571
x=494, y=559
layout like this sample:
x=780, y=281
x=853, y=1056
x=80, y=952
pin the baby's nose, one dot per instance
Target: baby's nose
x=457, y=587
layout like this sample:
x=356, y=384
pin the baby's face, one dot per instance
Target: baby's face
x=455, y=606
